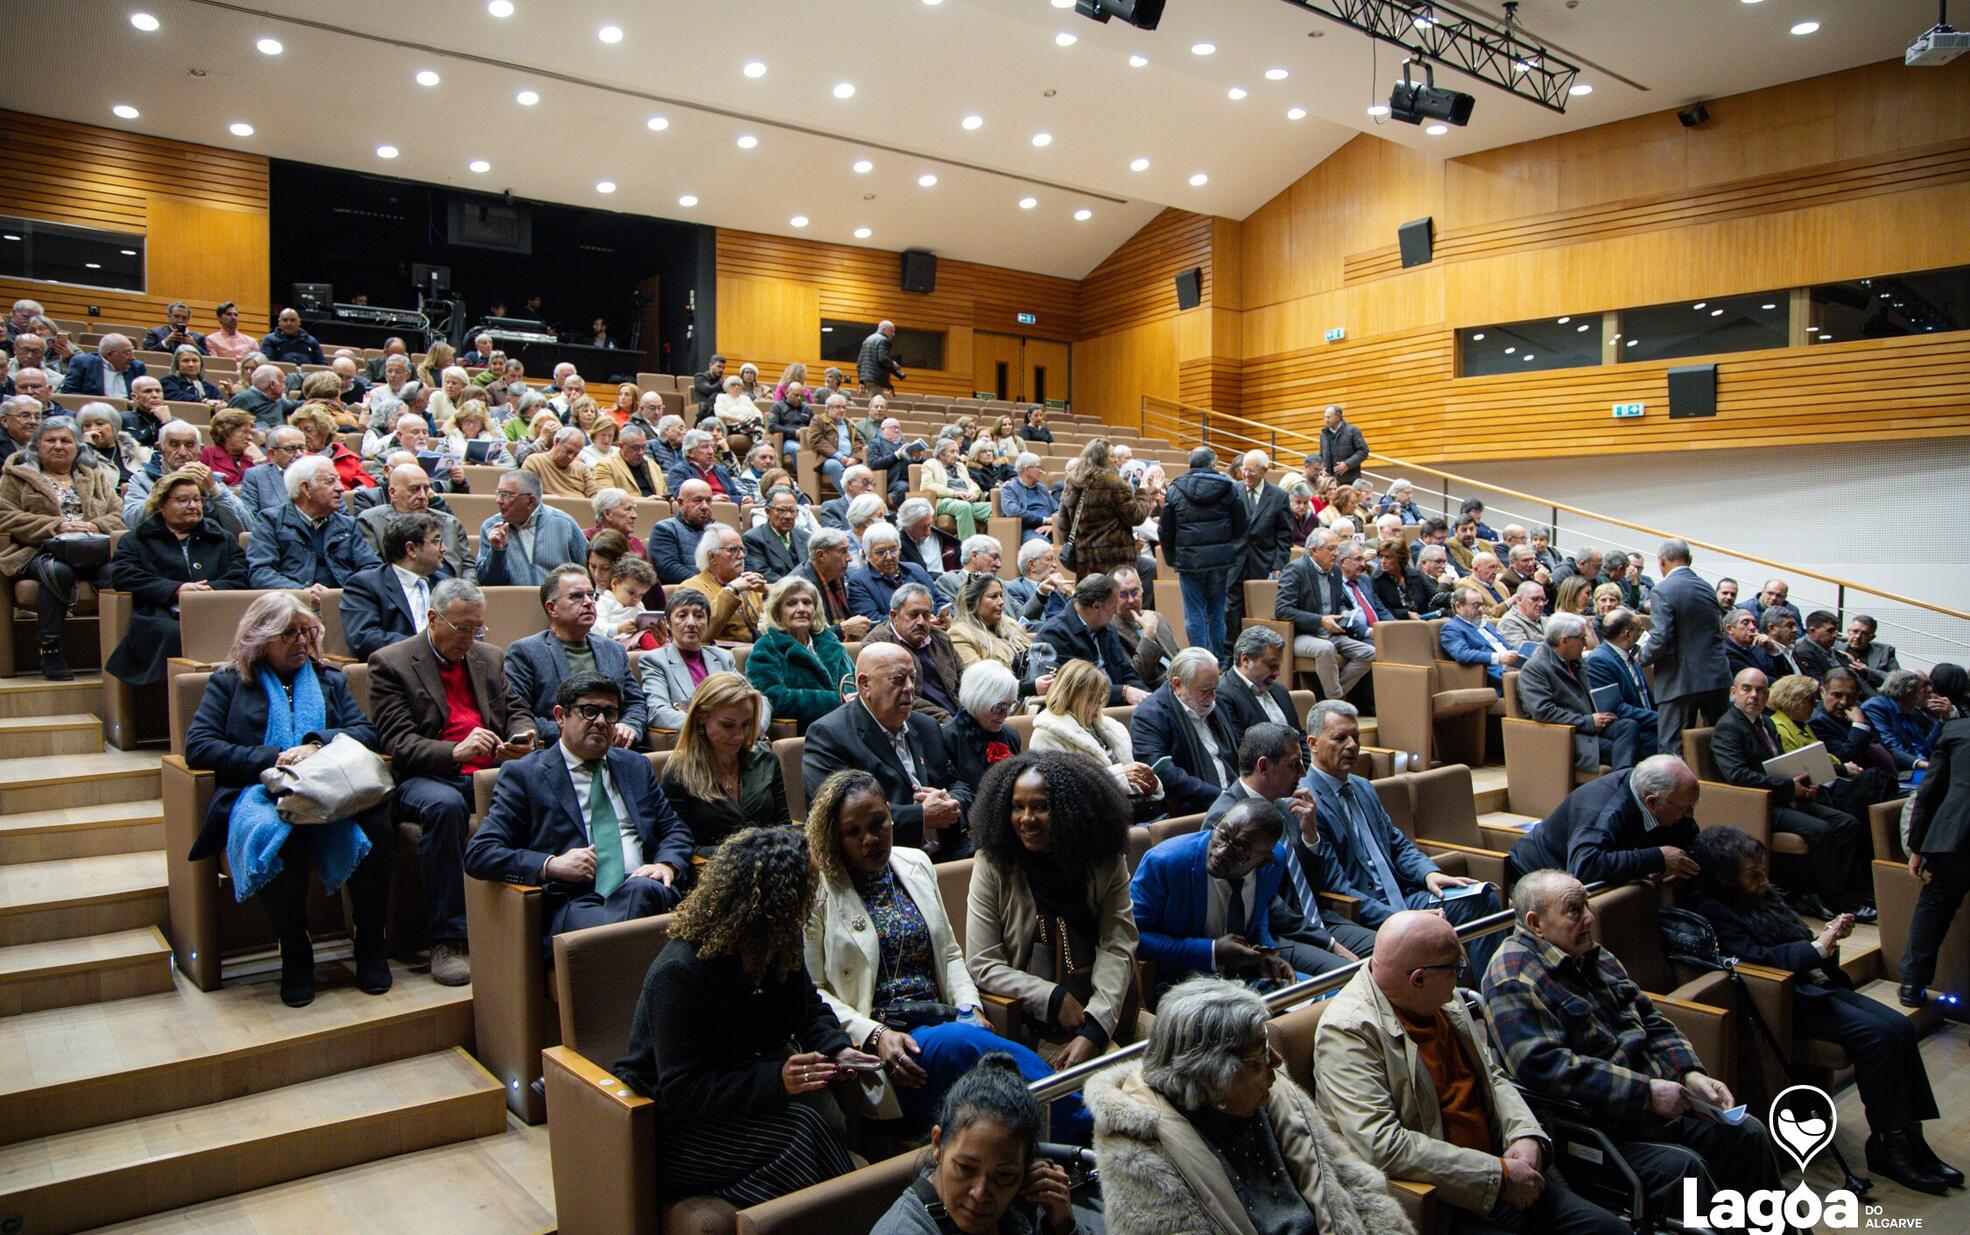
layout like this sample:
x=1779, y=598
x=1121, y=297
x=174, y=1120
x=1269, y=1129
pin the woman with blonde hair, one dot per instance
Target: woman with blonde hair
x=722, y=776
x=540, y=434
x=1006, y=442
x=601, y=437
x=437, y=359
x=797, y=662
x=982, y=630
x=795, y=372
x=1074, y=722
x=471, y=423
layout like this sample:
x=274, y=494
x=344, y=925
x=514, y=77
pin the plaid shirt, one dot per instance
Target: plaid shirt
x=1581, y=1029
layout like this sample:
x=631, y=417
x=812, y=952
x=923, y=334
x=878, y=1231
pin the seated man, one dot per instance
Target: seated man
x=697, y=459
x=1522, y=566
x=539, y=663
x=1902, y=719
x=736, y=594
x=776, y=547
x=1746, y=647
x=877, y=731
x=1181, y=720
x=262, y=488
x=559, y=467
x=176, y=332
x=1840, y=723
x=393, y=601
x=628, y=467
x=939, y=668
x=1251, y=693
x=409, y=493
x=674, y=541
x=1628, y=825
x=1613, y=664
x=1408, y=1078
x=1366, y=855
x=1486, y=575
x=1144, y=635
x=1523, y=626
x=1040, y=592
x=855, y=481
x=979, y=555
x=873, y=585
x=527, y=538
x=307, y=544
x=1326, y=624
x=177, y=450
x=924, y=543
x=827, y=569
x=148, y=411
x=1085, y=630
x=1740, y=744
x=1771, y=596
x=444, y=710
x=1820, y=650
x=266, y=397
x=1573, y=1027
x=1470, y=640
x=110, y=371
x=1586, y=562
x=1028, y=498
x=1783, y=630
x=890, y=458
x=1872, y=659
x=1465, y=544
x=1553, y=690
x=590, y=825
x=1203, y=901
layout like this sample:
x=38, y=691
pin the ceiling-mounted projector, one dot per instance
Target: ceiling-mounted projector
x=1937, y=47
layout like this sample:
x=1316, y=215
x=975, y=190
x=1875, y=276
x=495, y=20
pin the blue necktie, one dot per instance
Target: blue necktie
x=1372, y=848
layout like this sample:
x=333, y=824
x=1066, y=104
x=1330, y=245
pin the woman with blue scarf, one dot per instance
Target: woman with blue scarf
x=276, y=703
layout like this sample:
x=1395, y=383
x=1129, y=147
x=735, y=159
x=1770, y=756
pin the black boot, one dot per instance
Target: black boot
x=1912, y=994
x=372, y=960
x=297, y=970
x=1950, y=1175
x=54, y=665
x=1894, y=1154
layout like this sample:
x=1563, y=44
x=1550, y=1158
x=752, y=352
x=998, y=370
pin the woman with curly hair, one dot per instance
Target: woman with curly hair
x=1050, y=923
x=732, y=1040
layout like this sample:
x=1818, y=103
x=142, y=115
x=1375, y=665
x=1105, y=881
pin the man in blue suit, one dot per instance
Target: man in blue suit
x=393, y=601
x=586, y=823
x=1203, y=901
x=1613, y=664
x=538, y=664
x=1470, y=640
x=871, y=586
x=108, y=372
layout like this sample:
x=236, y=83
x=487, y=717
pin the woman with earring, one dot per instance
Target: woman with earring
x=721, y=777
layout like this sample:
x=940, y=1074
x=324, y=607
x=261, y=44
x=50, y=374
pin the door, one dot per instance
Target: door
x=1045, y=371
x=997, y=363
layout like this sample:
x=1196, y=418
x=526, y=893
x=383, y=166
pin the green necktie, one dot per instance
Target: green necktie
x=604, y=833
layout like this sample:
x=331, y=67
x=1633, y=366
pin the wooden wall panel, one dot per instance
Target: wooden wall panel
x=1113, y=371
x=1136, y=283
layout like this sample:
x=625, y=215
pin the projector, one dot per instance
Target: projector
x=1937, y=47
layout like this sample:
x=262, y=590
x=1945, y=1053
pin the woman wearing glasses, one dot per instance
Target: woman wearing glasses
x=174, y=549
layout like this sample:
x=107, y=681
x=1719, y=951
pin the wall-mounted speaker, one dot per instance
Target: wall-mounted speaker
x=1693, y=115
x=1190, y=288
x=919, y=271
x=1417, y=241
x=1692, y=391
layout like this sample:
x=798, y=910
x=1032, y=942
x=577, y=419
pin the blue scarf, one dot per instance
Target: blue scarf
x=255, y=830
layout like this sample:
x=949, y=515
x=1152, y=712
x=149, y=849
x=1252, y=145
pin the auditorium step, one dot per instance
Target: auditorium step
x=81, y=1067
x=118, y=1172
x=81, y=831
x=43, y=901
x=89, y=969
x=68, y=733
x=58, y=782
x=1488, y=792
x=34, y=695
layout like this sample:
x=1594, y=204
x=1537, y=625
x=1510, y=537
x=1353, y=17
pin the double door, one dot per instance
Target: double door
x=1020, y=369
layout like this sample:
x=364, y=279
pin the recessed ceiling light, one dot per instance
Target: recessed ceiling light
x=1581, y=87
x=1754, y=1
x=127, y=252
x=1202, y=49
x=927, y=181
x=605, y=186
x=1276, y=74
x=747, y=141
x=1027, y=203
x=687, y=200
x=1083, y=215
x=1528, y=358
x=1478, y=337
x=1561, y=321
x=1716, y=312
x=657, y=124
x=799, y=220
x=500, y=8
x=1140, y=165
x=973, y=122
x=1378, y=110
x=1136, y=62
x=480, y=166
x=845, y=90
x=755, y=68
x=1510, y=350
x=270, y=47
x=125, y=111
x=93, y=265
x=931, y=4
x=1701, y=304
x=10, y=236
x=1812, y=330
x=1064, y=39
x=1235, y=93
x=1768, y=307
x=610, y=34
x=1043, y=139
x=1296, y=113
x=1437, y=130
x=526, y=98
x=242, y=129
x=386, y=152
x=863, y=233
x=1199, y=180
x=144, y=22
x=863, y=167
x=1584, y=326
x=1805, y=27
x=427, y=77
x=1631, y=343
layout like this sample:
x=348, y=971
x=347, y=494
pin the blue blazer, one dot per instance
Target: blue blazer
x=1462, y=643
x=1605, y=666
x=534, y=816
x=1030, y=506
x=674, y=549
x=869, y=592
x=375, y=611
x=1907, y=737
x=282, y=551
x=536, y=666
x=1171, y=891
x=1348, y=868
x=85, y=374
x=683, y=471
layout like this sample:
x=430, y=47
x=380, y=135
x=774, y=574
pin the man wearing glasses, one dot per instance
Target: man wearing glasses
x=540, y=663
x=444, y=709
x=262, y=488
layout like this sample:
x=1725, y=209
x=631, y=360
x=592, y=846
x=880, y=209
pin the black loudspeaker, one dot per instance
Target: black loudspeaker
x=1693, y=115
x=1190, y=287
x=919, y=271
x=1418, y=241
x=1692, y=391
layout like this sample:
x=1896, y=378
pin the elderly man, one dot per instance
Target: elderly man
x=924, y=543
x=674, y=541
x=176, y=332
x=697, y=461
x=1486, y=576
x=826, y=568
x=628, y=466
x=376, y=366
x=879, y=731
x=1145, y=636
x=148, y=410
x=30, y=352
x=1541, y=538
x=978, y=555
x=527, y=538
x=108, y=373
x=572, y=386
x=890, y=455
x=1408, y=1077
x=875, y=368
x=1586, y=562
x=1782, y=629
x=410, y=434
x=1400, y=501
x=1084, y=630
x=1268, y=543
x=288, y=343
x=177, y=451
x=308, y=543
x=539, y=663
x=393, y=601
x=1612, y=664
x=1342, y=448
x=1573, y=1026
x=1469, y=639
x=939, y=668
x=1627, y=825
x=1327, y=625
x=1523, y=626
x=388, y=397
x=1873, y=660
x=1203, y=900
x=1522, y=566
x=21, y=319
x=1181, y=720
x=1251, y=693
x=410, y=493
x=1028, y=498
x=1686, y=646
x=1771, y=596
x=20, y=416
x=872, y=585
x=266, y=398
x=1904, y=719
x=561, y=471
x=855, y=481
x=1357, y=565
x=444, y=710
x=1553, y=690
x=776, y=547
x=1746, y=647
x=354, y=388
x=481, y=354
x=263, y=487
x=736, y=594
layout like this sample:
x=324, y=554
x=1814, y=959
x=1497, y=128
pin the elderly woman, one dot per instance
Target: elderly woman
x=186, y=383
x=1207, y=1133
x=615, y=510
x=981, y=629
x=1049, y=923
x=797, y=662
x=1400, y=500
x=1402, y=589
x=1301, y=517
x=276, y=702
x=584, y=413
x=1098, y=513
x=976, y=735
x=1752, y=921
x=1034, y=429
x=539, y=434
x=722, y=776
x=1074, y=723
x=1345, y=505
x=317, y=424
x=863, y=513
x=103, y=433
x=173, y=550
x=737, y=1116
x=472, y=423
x=735, y=410
x=232, y=451
x=883, y=955
x=445, y=397
x=985, y=468
x=58, y=506
x=673, y=672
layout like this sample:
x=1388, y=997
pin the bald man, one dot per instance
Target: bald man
x=410, y=493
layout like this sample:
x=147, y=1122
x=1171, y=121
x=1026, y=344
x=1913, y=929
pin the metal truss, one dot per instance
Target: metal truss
x=1498, y=56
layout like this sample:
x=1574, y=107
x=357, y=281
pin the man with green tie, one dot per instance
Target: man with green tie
x=584, y=820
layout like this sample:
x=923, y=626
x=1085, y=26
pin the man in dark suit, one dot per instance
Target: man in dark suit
x=1084, y=630
x=1873, y=660
x=776, y=547
x=308, y=543
x=697, y=461
x=1182, y=720
x=1613, y=664
x=176, y=332
x=1251, y=693
x=1686, y=647
x=1342, y=448
x=939, y=667
x=393, y=601
x=1553, y=691
x=585, y=822
x=826, y=568
x=1627, y=825
x=1819, y=652
x=924, y=543
x=444, y=710
x=873, y=585
x=1327, y=626
x=674, y=541
x=408, y=492
x=1746, y=647
x=1268, y=534
x=539, y=663
x=856, y=480
x=109, y=371
x=878, y=731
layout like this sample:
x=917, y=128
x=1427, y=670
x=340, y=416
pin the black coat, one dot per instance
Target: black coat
x=1269, y=532
x=1343, y=445
x=1941, y=821
x=1405, y=598
x=1072, y=640
x=1740, y=754
x=1203, y=521
x=1600, y=832
x=151, y=565
x=1241, y=706
x=1741, y=933
x=1159, y=728
x=966, y=741
x=849, y=737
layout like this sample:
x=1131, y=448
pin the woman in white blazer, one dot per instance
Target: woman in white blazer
x=1074, y=722
x=881, y=951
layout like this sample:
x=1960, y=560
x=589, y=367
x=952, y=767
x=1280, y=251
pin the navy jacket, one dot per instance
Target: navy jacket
x=1909, y=736
x=849, y=737
x=1160, y=728
x=85, y=374
x=154, y=339
x=285, y=552
x=674, y=550
x=1204, y=519
x=1072, y=640
x=1349, y=869
x=684, y=470
x=1240, y=705
x=1605, y=666
x=375, y=612
x=301, y=349
x=536, y=666
x=869, y=592
x=1601, y=832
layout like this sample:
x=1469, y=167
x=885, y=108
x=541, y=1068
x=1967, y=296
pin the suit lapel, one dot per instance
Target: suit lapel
x=424, y=664
x=561, y=785
x=873, y=735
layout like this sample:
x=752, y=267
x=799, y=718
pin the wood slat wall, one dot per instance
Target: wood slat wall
x=1135, y=284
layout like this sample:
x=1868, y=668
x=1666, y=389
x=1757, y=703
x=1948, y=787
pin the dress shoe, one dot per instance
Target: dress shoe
x=1912, y=994
x=297, y=971
x=1894, y=1154
x=54, y=665
x=1809, y=905
x=448, y=964
x=1950, y=1175
x=372, y=961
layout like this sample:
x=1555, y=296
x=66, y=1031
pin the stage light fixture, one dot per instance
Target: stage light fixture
x=1142, y=14
x=1412, y=103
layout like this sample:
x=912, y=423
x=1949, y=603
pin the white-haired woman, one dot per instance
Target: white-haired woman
x=58, y=508
x=976, y=735
x=949, y=481
x=863, y=512
x=187, y=383
x=443, y=403
x=736, y=410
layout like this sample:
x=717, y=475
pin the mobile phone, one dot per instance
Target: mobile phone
x=1162, y=767
x=1265, y=949
x=854, y=1065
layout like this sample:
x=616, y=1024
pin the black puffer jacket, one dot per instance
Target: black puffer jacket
x=1203, y=525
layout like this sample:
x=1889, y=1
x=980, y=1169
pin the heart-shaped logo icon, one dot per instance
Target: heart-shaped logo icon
x=1803, y=1121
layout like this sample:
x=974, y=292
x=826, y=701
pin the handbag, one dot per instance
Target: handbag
x=342, y=779
x=1068, y=550
x=82, y=550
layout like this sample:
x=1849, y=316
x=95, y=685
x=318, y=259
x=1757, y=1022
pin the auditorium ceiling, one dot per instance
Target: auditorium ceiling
x=853, y=102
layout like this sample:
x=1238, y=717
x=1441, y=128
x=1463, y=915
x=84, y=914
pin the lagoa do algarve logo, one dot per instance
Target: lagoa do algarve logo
x=1802, y=1122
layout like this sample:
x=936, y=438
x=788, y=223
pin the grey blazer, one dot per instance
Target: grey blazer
x=536, y=666
x=1549, y=693
x=1686, y=645
x=667, y=685
x=457, y=558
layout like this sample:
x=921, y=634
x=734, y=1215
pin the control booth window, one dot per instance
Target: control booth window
x=1565, y=342
x=62, y=253
x=1890, y=306
x=1704, y=326
x=841, y=344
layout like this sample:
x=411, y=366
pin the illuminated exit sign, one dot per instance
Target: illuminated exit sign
x=1029, y=319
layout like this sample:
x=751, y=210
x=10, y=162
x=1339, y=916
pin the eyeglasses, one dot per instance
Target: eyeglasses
x=593, y=712
x=585, y=594
x=295, y=632
x=477, y=632
x=1462, y=965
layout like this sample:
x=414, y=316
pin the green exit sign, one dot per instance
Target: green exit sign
x=1628, y=411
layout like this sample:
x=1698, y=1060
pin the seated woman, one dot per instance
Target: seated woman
x=950, y=484
x=883, y=955
x=601, y=432
x=797, y=662
x=1753, y=922
x=628, y=395
x=982, y=630
x=1035, y=429
x=864, y=512
x=615, y=510
x=103, y=432
x=1575, y=595
x=539, y=434
x=1208, y=1133
x=442, y=403
x=1006, y=442
x=738, y=1115
x=1301, y=517
x=186, y=382
x=1073, y=722
x=1344, y=505
x=232, y=451
x=977, y=736
x=58, y=507
x=1401, y=588
x=318, y=431
x=174, y=550
x=737, y=412
x=605, y=548
x=672, y=672
x=471, y=423
x=983, y=462
x=1792, y=701
x=1607, y=598
x=722, y=777
x=277, y=702
x=1049, y=922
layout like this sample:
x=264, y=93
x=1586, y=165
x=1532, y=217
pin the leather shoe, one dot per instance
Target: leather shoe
x=448, y=964
x=1950, y=1175
x=1912, y=994
x=54, y=664
x=297, y=971
x=1893, y=1154
x=1809, y=905
x=372, y=961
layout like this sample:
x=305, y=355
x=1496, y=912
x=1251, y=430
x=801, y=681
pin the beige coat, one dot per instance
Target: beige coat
x=843, y=952
x=1002, y=927
x=1108, y=744
x=30, y=509
x=1377, y=1090
x=955, y=483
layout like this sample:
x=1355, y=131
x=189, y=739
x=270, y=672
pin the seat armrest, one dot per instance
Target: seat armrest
x=1341, y=903
x=1005, y=1017
x=1709, y=1029
x=512, y=1017
x=1484, y=865
x=603, y=1130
